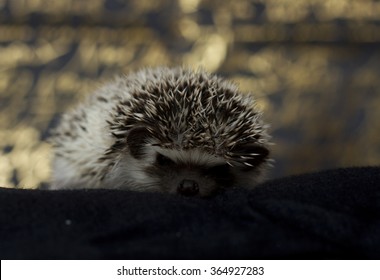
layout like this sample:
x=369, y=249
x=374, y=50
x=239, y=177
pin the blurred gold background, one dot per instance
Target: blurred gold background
x=314, y=67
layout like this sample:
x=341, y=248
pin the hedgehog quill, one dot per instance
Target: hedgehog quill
x=162, y=130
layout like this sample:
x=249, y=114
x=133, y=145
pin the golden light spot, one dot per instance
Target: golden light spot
x=68, y=82
x=4, y=81
x=243, y=9
x=259, y=64
x=189, y=6
x=208, y=53
x=189, y=29
x=115, y=55
x=46, y=51
x=6, y=172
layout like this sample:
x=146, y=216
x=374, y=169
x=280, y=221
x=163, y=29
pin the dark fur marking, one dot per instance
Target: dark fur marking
x=102, y=99
x=136, y=140
x=164, y=161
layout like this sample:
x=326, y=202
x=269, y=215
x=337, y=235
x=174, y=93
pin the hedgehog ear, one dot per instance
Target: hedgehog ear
x=258, y=152
x=136, y=139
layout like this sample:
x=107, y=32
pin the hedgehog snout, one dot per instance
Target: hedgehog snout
x=188, y=187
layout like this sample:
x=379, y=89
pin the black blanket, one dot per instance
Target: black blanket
x=327, y=215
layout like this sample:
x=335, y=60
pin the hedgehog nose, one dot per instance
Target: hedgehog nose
x=188, y=187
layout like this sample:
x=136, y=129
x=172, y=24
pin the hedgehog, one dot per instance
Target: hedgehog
x=170, y=130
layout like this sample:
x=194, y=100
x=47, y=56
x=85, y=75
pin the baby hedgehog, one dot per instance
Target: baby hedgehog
x=163, y=129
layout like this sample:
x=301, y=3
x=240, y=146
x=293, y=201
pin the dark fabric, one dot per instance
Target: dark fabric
x=328, y=215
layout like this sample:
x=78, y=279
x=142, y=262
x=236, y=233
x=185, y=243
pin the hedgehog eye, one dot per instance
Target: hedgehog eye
x=219, y=170
x=163, y=160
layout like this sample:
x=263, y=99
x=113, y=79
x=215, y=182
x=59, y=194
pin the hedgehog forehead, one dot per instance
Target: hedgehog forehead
x=192, y=157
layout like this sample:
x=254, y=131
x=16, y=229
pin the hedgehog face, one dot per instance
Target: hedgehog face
x=187, y=177
x=191, y=172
